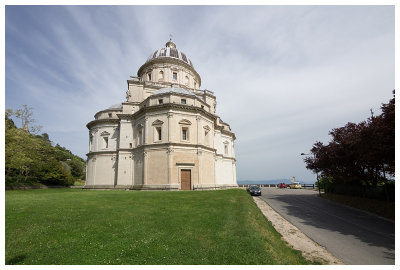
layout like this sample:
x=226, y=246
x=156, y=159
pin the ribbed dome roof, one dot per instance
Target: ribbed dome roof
x=174, y=90
x=170, y=51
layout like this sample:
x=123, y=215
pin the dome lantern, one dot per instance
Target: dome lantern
x=170, y=44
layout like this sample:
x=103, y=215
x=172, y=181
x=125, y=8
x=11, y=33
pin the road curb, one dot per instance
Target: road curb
x=295, y=238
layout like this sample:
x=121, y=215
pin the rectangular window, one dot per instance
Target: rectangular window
x=105, y=142
x=206, y=137
x=90, y=143
x=149, y=76
x=184, y=134
x=160, y=101
x=175, y=76
x=183, y=101
x=158, y=129
x=140, y=135
x=109, y=115
x=226, y=149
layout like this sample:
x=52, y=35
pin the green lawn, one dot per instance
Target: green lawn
x=69, y=226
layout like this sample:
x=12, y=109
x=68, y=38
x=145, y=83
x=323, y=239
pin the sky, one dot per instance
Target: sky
x=284, y=76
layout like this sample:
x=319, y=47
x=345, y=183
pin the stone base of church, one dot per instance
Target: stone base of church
x=134, y=187
x=155, y=187
x=211, y=187
x=98, y=187
x=159, y=187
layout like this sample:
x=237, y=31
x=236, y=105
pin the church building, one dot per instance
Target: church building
x=166, y=135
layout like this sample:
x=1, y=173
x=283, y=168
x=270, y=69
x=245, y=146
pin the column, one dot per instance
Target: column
x=199, y=153
x=197, y=128
x=144, y=168
x=145, y=130
x=170, y=152
x=169, y=116
x=132, y=168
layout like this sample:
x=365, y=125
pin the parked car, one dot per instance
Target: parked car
x=295, y=185
x=283, y=185
x=254, y=190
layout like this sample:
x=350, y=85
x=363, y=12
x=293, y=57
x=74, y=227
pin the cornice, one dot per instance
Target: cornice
x=108, y=110
x=102, y=121
x=144, y=147
x=178, y=94
x=229, y=133
x=224, y=157
x=166, y=84
x=165, y=146
x=175, y=106
x=100, y=153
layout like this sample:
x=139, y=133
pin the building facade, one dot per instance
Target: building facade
x=166, y=135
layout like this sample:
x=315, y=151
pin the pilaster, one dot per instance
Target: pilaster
x=170, y=152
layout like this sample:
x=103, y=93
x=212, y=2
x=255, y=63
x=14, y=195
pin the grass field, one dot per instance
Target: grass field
x=69, y=226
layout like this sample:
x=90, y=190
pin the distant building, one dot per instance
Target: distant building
x=166, y=134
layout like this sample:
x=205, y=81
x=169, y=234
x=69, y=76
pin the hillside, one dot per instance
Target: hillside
x=32, y=159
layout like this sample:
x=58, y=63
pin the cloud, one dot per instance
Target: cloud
x=283, y=75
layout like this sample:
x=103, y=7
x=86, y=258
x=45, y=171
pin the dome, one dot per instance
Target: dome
x=115, y=106
x=171, y=52
x=174, y=90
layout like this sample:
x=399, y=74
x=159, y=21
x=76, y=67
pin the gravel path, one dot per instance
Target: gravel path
x=298, y=240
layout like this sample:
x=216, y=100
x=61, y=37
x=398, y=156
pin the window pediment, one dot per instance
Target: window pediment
x=185, y=122
x=157, y=122
x=104, y=133
x=207, y=128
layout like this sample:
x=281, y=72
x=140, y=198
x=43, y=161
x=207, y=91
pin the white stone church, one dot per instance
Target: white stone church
x=166, y=135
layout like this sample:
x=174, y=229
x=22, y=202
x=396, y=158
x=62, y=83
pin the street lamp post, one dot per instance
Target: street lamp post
x=319, y=186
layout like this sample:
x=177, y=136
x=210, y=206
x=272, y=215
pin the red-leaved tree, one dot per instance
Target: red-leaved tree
x=362, y=153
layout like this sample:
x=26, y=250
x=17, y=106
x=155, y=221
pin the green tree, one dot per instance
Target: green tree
x=31, y=159
x=18, y=159
x=77, y=168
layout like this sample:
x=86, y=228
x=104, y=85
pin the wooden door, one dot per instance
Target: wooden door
x=185, y=180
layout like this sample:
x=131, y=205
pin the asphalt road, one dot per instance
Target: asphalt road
x=354, y=236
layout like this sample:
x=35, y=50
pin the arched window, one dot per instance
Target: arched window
x=161, y=75
x=186, y=80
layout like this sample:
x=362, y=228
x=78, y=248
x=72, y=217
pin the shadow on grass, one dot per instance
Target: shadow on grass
x=16, y=259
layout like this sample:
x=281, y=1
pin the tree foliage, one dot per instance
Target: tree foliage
x=358, y=154
x=31, y=159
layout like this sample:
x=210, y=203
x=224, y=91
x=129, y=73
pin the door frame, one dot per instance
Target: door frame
x=180, y=174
